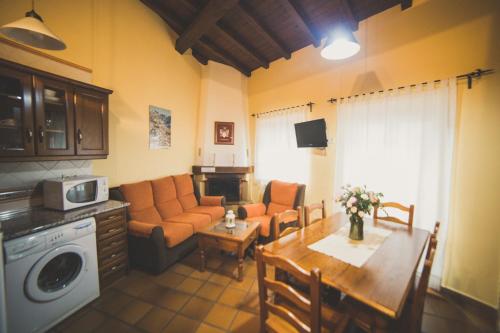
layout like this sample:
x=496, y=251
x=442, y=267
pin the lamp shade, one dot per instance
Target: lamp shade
x=341, y=44
x=32, y=31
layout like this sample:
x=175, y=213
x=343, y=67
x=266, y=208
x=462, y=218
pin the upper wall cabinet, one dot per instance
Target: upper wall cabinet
x=47, y=117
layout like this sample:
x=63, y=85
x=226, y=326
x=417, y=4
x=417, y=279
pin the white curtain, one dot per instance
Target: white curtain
x=400, y=143
x=276, y=152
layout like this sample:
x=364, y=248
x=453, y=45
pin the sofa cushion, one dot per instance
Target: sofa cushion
x=274, y=208
x=283, y=193
x=214, y=212
x=165, y=197
x=185, y=191
x=265, y=224
x=140, y=196
x=176, y=233
x=196, y=221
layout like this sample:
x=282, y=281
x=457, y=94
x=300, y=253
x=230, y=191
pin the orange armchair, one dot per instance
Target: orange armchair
x=278, y=197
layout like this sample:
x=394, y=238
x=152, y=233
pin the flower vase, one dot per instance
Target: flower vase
x=356, y=231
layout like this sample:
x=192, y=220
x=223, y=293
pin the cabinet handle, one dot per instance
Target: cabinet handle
x=29, y=134
x=41, y=134
x=113, y=230
x=80, y=136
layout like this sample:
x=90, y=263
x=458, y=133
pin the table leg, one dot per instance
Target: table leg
x=381, y=324
x=241, y=254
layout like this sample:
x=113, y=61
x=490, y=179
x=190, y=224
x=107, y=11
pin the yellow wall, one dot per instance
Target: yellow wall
x=131, y=51
x=433, y=39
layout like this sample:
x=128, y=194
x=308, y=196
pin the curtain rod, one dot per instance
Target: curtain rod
x=309, y=104
x=469, y=76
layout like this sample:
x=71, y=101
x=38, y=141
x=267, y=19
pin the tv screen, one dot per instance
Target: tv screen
x=311, y=134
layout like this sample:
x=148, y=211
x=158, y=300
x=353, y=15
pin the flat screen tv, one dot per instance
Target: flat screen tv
x=311, y=134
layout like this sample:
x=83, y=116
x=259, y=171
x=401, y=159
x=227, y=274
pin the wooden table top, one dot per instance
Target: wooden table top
x=240, y=233
x=382, y=283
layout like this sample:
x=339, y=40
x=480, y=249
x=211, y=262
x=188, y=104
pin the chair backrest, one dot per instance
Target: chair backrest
x=399, y=206
x=301, y=302
x=297, y=201
x=310, y=209
x=419, y=297
x=287, y=216
x=433, y=240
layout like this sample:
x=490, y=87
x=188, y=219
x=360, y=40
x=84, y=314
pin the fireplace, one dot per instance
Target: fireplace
x=226, y=185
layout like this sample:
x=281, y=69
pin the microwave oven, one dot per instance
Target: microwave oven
x=72, y=192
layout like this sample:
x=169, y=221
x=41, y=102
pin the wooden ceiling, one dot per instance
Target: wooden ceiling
x=248, y=34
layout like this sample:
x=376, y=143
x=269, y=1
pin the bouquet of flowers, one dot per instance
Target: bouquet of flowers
x=358, y=202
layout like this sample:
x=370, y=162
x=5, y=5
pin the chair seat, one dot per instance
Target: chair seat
x=265, y=224
x=214, y=212
x=196, y=221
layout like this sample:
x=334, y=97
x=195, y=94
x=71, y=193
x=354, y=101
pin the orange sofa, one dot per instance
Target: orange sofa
x=278, y=197
x=164, y=216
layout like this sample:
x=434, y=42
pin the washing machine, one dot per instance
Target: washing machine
x=49, y=275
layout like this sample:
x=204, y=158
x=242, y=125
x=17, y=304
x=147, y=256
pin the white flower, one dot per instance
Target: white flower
x=354, y=210
x=356, y=189
x=361, y=214
x=349, y=204
x=364, y=196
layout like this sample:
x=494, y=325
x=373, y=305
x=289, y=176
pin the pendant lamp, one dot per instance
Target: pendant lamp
x=340, y=44
x=32, y=31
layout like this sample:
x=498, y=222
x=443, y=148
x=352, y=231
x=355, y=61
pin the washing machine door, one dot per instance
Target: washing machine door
x=56, y=273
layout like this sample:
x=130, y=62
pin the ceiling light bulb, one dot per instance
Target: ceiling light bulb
x=340, y=45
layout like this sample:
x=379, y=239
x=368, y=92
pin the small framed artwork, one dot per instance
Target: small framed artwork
x=224, y=133
x=160, y=128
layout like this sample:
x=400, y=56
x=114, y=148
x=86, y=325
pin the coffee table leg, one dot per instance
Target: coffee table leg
x=202, y=256
x=241, y=254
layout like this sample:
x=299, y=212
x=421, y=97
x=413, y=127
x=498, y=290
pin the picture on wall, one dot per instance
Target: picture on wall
x=160, y=128
x=224, y=133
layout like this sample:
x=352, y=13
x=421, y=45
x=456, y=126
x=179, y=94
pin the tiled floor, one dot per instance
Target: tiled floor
x=184, y=300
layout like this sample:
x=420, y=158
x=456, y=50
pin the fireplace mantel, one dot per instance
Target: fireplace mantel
x=201, y=169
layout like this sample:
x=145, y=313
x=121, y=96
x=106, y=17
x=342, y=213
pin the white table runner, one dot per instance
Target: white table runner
x=356, y=253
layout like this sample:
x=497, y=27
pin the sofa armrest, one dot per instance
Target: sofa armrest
x=251, y=210
x=212, y=200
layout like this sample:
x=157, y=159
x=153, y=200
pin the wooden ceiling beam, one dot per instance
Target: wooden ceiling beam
x=405, y=4
x=349, y=15
x=247, y=12
x=213, y=11
x=302, y=18
x=225, y=56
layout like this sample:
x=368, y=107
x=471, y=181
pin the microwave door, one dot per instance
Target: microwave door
x=82, y=193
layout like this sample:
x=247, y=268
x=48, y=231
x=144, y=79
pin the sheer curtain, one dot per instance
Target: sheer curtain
x=400, y=143
x=276, y=152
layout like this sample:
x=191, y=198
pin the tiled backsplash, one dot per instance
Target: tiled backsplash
x=23, y=174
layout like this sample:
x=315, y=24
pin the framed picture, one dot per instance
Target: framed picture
x=224, y=133
x=160, y=128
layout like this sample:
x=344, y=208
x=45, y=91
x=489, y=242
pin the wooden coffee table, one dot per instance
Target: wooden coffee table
x=237, y=240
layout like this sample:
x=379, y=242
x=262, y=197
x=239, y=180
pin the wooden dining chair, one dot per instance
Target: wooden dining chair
x=286, y=218
x=399, y=206
x=296, y=311
x=310, y=209
x=433, y=240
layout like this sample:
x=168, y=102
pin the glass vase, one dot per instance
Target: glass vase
x=356, y=231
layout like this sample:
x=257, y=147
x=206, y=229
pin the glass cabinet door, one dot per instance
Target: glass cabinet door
x=54, y=118
x=16, y=117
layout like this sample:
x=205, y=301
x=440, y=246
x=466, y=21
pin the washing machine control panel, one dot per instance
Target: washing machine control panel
x=56, y=238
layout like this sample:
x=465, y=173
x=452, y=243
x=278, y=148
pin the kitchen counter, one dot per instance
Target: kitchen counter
x=38, y=219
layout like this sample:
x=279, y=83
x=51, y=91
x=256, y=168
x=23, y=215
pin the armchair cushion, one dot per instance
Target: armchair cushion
x=214, y=212
x=212, y=200
x=283, y=193
x=274, y=208
x=265, y=224
x=251, y=210
x=174, y=233
x=185, y=191
x=196, y=221
x=165, y=197
x=140, y=196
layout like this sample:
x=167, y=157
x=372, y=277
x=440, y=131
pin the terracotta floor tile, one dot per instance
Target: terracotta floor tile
x=244, y=285
x=250, y=303
x=113, y=325
x=197, y=308
x=87, y=323
x=190, y=285
x=155, y=320
x=232, y=297
x=112, y=302
x=222, y=280
x=182, y=269
x=210, y=291
x=132, y=285
x=205, y=275
x=221, y=316
x=172, y=300
x=182, y=324
x=169, y=279
x=245, y=322
x=134, y=311
x=152, y=293
x=213, y=261
x=75, y=316
x=204, y=328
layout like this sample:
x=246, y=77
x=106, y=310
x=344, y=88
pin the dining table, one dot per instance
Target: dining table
x=382, y=283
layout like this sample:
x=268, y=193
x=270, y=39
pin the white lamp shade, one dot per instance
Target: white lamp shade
x=31, y=31
x=340, y=45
